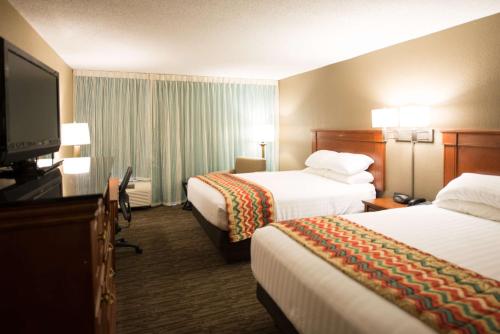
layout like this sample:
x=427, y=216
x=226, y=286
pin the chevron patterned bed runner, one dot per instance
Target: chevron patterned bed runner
x=447, y=298
x=248, y=205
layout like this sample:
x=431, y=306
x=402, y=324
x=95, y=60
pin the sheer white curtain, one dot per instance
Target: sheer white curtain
x=203, y=126
x=170, y=128
x=118, y=111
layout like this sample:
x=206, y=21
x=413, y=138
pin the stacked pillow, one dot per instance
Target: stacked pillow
x=474, y=194
x=343, y=167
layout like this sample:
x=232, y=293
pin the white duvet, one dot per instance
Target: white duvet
x=317, y=298
x=297, y=194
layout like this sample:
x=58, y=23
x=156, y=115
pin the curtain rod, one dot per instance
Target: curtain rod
x=170, y=77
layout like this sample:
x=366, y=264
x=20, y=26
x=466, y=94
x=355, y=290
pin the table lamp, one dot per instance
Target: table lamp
x=75, y=134
x=265, y=134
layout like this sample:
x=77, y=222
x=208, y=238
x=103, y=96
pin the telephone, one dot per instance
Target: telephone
x=416, y=201
x=401, y=198
x=406, y=199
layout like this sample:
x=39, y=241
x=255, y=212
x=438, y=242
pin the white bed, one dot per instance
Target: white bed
x=297, y=194
x=317, y=298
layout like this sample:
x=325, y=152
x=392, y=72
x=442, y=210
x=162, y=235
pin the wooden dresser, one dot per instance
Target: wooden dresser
x=57, y=255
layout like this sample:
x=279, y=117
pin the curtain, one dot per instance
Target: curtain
x=118, y=111
x=200, y=127
x=170, y=128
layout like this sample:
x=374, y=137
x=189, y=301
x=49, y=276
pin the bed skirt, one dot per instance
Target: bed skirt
x=280, y=319
x=231, y=251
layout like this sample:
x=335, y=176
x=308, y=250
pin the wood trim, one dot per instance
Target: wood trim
x=382, y=203
x=114, y=184
x=478, y=131
x=470, y=151
x=369, y=142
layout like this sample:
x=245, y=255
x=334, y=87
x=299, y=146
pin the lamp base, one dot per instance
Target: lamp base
x=263, y=150
x=76, y=151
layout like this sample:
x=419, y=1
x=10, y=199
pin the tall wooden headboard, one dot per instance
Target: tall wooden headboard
x=369, y=142
x=470, y=151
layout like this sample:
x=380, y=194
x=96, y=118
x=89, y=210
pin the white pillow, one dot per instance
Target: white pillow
x=350, y=163
x=471, y=208
x=359, y=178
x=341, y=163
x=476, y=188
x=321, y=159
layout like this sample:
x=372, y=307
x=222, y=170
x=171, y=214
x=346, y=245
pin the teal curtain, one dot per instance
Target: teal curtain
x=170, y=130
x=118, y=112
x=200, y=127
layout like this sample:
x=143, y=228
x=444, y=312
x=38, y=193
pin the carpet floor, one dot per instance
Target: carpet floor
x=180, y=284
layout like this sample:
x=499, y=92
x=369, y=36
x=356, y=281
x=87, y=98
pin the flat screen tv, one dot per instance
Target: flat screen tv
x=29, y=106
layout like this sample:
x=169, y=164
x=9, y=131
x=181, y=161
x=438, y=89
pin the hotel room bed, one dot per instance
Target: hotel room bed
x=305, y=293
x=296, y=193
x=317, y=298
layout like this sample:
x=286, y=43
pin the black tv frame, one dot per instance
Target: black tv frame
x=18, y=156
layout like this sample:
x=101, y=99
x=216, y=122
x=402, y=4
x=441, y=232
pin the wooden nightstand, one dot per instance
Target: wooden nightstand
x=378, y=204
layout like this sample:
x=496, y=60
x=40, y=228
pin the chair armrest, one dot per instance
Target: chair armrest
x=249, y=165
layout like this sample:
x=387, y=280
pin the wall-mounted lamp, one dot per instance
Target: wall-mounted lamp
x=387, y=119
x=75, y=134
x=405, y=124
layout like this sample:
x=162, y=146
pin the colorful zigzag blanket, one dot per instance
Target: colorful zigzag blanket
x=446, y=297
x=248, y=205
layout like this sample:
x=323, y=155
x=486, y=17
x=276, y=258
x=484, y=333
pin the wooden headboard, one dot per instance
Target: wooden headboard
x=369, y=142
x=470, y=151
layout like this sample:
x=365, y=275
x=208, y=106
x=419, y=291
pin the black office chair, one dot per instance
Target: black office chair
x=126, y=210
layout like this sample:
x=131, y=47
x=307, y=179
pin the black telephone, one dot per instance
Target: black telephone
x=416, y=201
x=406, y=199
x=401, y=198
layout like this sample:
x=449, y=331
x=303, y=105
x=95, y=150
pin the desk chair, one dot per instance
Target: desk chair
x=126, y=210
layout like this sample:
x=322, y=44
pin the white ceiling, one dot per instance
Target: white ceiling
x=265, y=39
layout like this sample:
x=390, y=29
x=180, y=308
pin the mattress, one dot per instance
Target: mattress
x=317, y=298
x=297, y=194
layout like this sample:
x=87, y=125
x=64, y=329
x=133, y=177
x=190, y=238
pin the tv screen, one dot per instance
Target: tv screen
x=29, y=107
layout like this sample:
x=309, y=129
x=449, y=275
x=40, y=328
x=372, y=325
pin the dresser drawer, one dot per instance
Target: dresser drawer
x=105, y=302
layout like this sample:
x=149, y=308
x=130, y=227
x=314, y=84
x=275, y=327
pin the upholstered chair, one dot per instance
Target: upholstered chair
x=249, y=165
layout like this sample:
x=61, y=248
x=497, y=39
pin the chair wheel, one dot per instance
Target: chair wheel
x=138, y=250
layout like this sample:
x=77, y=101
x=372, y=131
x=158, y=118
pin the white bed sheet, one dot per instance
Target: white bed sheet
x=317, y=298
x=297, y=194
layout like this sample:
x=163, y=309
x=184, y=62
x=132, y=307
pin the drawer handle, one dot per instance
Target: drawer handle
x=108, y=298
x=111, y=273
x=102, y=237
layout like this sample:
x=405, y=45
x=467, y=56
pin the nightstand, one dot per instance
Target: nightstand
x=378, y=204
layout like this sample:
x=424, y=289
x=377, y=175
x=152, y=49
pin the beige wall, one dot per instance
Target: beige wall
x=456, y=72
x=19, y=32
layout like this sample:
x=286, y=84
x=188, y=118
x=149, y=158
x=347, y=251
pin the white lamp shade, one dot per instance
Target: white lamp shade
x=75, y=134
x=264, y=133
x=385, y=118
x=414, y=116
x=76, y=165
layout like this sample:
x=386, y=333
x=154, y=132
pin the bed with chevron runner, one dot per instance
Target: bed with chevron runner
x=447, y=298
x=248, y=205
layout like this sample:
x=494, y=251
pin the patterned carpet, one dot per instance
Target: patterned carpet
x=180, y=284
